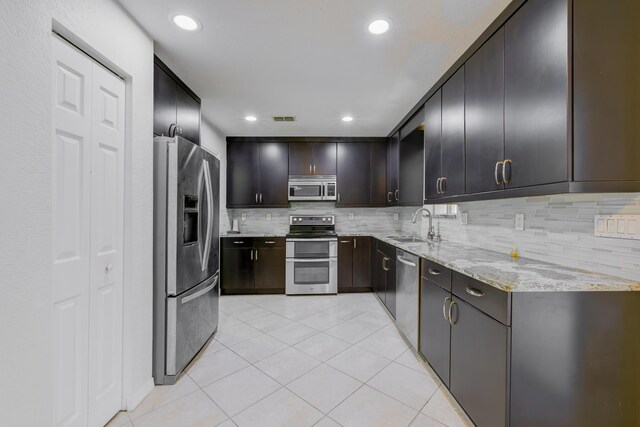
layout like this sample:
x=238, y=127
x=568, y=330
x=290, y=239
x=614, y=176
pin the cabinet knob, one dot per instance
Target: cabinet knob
x=108, y=268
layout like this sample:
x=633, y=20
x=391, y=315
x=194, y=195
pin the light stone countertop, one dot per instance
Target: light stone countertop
x=500, y=270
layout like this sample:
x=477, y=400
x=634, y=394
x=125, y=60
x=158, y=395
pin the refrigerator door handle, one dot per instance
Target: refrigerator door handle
x=200, y=293
x=207, y=240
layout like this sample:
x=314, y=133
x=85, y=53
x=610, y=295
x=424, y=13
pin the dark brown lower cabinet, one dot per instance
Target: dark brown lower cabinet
x=345, y=264
x=435, y=330
x=354, y=264
x=384, y=275
x=253, y=265
x=479, y=364
x=270, y=268
x=379, y=274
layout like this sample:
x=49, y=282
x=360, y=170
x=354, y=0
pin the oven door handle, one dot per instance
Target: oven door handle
x=312, y=260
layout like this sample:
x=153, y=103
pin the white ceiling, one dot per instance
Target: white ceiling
x=313, y=59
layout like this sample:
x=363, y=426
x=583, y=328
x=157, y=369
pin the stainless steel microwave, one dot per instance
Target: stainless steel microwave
x=307, y=188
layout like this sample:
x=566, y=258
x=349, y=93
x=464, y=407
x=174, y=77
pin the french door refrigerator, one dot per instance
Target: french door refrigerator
x=186, y=253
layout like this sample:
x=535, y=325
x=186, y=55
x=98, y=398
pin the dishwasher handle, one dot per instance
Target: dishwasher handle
x=406, y=262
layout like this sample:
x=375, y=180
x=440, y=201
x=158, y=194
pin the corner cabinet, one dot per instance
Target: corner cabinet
x=257, y=174
x=176, y=109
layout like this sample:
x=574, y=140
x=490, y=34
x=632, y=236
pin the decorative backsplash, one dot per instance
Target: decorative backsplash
x=558, y=229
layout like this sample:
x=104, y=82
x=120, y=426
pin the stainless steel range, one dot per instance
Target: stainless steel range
x=312, y=255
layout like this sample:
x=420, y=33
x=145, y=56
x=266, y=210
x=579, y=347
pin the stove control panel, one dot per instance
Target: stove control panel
x=312, y=219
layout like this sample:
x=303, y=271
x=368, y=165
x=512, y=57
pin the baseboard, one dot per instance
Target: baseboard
x=138, y=396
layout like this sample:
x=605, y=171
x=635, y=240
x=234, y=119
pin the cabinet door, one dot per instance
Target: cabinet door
x=393, y=162
x=353, y=174
x=390, y=286
x=411, y=179
x=484, y=114
x=536, y=93
x=164, y=101
x=378, y=174
x=300, y=158
x=242, y=174
x=379, y=276
x=270, y=268
x=479, y=367
x=606, y=91
x=274, y=174
x=453, y=135
x=324, y=158
x=433, y=145
x=345, y=262
x=188, y=115
x=362, y=262
x=237, y=269
x=435, y=330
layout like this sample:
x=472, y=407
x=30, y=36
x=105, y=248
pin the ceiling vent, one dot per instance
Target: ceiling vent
x=284, y=118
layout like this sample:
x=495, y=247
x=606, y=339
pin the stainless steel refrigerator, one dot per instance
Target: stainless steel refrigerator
x=186, y=253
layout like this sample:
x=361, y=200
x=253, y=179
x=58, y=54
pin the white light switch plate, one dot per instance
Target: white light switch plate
x=520, y=222
x=464, y=218
x=350, y=215
x=269, y=217
x=396, y=216
x=617, y=226
x=244, y=216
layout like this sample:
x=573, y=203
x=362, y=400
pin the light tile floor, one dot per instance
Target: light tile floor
x=302, y=361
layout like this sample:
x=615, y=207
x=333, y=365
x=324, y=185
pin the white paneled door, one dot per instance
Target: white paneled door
x=88, y=213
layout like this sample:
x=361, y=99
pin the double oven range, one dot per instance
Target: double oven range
x=312, y=255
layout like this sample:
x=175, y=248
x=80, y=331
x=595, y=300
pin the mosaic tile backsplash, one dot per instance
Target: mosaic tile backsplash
x=558, y=229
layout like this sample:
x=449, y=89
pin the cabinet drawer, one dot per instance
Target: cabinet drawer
x=237, y=242
x=436, y=273
x=490, y=300
x=387, y=249
x=269, y=242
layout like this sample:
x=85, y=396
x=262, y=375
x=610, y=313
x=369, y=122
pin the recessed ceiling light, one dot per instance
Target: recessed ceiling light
x=347, y=119
x=251, y=118
x=379, y=26
x=186, y=22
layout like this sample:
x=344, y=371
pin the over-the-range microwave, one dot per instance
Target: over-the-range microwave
x=310, y=188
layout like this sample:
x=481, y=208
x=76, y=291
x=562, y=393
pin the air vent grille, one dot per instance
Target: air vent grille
x=284, y=118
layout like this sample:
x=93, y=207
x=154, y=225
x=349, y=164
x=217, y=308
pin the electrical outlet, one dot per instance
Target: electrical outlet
x=396, y=216
x=520, y=222
x=464, y=218
x=244, y=217
x=350, y=215
x=268, y=217
x=617, y=226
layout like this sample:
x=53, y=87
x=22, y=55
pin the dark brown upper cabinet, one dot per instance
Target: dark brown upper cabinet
x=606, y=92
x=312, y=158
x=378, y=174
x=411, y=162
x=353, y=177
x=176, y=109
x=536, y=94
x=257, y=174
x=484, y=116
x=452, y=182
x=433, y=146
x=393, y=163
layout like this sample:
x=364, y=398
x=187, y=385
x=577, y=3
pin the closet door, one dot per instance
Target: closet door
x=71, y=189
x=107, y=214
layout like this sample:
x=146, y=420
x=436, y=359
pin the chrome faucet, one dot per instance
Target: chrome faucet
x=430, y=234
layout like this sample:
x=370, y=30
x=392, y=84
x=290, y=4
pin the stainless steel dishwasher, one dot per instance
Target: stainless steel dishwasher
x=407, y=295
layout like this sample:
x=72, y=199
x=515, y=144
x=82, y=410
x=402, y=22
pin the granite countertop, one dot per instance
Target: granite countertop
x=250, y=234
x=500, y=270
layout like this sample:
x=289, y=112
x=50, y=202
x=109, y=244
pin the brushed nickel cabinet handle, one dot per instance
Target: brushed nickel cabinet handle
x=310, y=169
x=434, y=272
x=389, y=197
x=239, y=242
x=269, y=242
x=443, y=185
x=475, y=292
x=251, y=254
x=256, y=255
x=260, y=198
x=444, y=308
x=256, y=198
x=397, y=195
x=506, y=177
x=314, y=169
x=344, y=241
x=438, y=185
x=453, y=322
x=495, y=173
x=355, y=243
